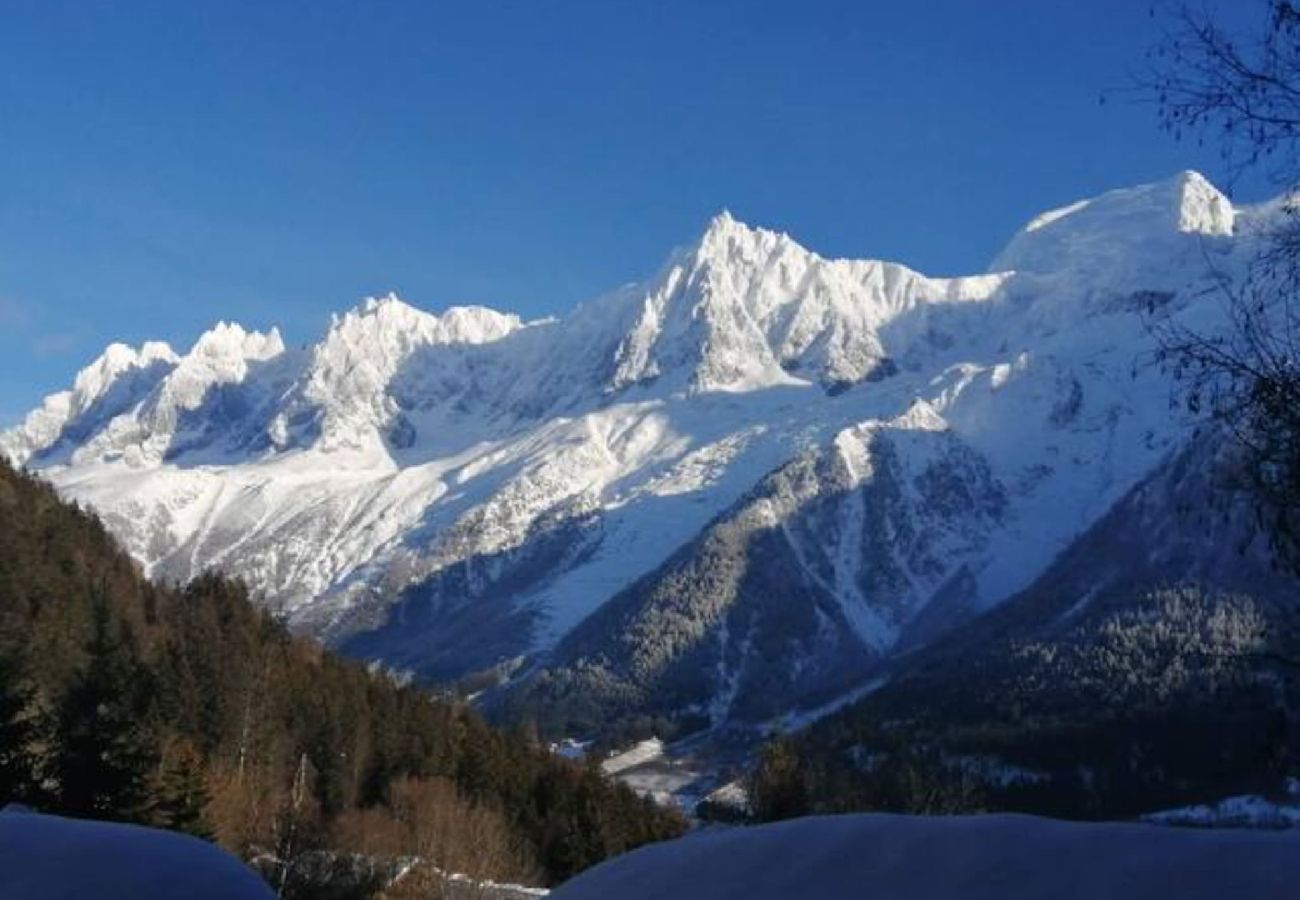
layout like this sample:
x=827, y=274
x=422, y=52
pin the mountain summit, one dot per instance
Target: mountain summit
x=739, y=484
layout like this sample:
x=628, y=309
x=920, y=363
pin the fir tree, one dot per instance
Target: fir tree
x=778, y=788
x=180, y=792
x=17, y=731
x=193, y=709
x=104, y=749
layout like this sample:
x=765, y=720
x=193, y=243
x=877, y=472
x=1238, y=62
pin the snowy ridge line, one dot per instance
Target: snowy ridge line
x=455, y=492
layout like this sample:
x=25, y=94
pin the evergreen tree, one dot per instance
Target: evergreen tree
x=193, y=709
x=180, y=792
x=17, y=759
x=104, y=749
x=778, y=788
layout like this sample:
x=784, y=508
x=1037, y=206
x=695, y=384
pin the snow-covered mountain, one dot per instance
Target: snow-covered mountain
x=738, y=484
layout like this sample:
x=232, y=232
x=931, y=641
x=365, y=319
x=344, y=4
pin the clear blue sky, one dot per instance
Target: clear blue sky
x=165, y=164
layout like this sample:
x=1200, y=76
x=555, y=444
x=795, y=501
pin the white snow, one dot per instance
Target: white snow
x=1156, y=215
x=457, y=887
x=53, y=858
x=406, y=443
x=993, y=857
x=1244, y=811
x=669, y=776
x=640, y=753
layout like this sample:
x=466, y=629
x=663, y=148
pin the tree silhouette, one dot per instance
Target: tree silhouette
x=778, y=788
x=105, y=749
x=1243, y=91
x=18, y=775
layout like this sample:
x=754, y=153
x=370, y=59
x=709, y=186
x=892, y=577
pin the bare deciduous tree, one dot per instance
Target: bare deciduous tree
x=1243, y=90
x=1240, y=88
x=452, y=845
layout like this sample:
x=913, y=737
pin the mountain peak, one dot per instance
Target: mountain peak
x=115, y=380
x=1099, y=231
x=117, y=357
x=724, y=233
x=230, y=340
x=1202, y=207
x=720, y=222
x=382, y=318
x=388, y=305
x=499, y=488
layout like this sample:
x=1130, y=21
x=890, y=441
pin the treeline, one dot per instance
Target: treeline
x=189, y=708
x=1172, y=697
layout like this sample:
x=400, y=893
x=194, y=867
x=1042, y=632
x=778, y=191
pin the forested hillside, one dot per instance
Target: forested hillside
x=1171, y=700
x=1156, y=663
x=188, y=708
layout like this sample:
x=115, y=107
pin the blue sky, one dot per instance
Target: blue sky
x=167, y=164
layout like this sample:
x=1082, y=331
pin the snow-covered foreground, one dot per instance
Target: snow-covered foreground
x=994, y=857
x=53, y=858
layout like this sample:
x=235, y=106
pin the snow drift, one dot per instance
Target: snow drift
x=990, y=857
x=53, y=858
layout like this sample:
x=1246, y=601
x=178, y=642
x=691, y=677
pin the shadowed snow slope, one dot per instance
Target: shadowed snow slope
x=730, y=489
x=995, y=857
x=53, y=858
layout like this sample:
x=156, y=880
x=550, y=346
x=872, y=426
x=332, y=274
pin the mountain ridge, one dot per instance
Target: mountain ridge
x=461, y=491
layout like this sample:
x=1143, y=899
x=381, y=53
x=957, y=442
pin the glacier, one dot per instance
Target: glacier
x=756, y=464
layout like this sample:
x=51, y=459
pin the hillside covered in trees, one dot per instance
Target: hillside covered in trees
x=1173, y=698
x=190, y=709
x=1155, y=664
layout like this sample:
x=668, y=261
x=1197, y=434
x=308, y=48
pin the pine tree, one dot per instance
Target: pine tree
x=157, y=697
x=778, y=788
x=17, y=730
x=180, y=791
x=104, y=749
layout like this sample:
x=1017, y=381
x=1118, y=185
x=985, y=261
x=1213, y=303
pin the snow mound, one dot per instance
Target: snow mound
x=53, y=858
x=995, y=857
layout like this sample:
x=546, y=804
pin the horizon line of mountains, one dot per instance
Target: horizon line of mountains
x=730, y=495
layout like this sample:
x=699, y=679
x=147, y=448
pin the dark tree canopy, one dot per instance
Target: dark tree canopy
x=192, y=709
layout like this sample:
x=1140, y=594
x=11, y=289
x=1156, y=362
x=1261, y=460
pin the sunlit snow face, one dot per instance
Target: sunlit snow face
x=928, y=436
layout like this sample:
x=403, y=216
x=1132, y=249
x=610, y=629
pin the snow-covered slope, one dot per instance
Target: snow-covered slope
x=754, y=435
x=987, y=857
x=54, y=858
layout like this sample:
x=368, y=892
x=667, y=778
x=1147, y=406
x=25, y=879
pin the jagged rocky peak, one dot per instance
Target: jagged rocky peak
x=748, y=308
x=348, y=386
x=389, y=319
x=222, y=355
x=119, y=377
x=144, y=429
x=728, y=241
x=498, y=481
x=116, y=359
x=230, y=340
